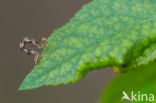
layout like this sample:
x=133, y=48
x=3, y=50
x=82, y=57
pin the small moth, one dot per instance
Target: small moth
x=36, y=54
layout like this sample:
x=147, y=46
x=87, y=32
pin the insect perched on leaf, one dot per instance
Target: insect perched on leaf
x=36, y=54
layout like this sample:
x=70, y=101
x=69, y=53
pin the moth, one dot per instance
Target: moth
x=28, y=51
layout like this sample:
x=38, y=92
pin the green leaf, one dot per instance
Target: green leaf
x=140, y=81
x=147, y=56
x=103, y=33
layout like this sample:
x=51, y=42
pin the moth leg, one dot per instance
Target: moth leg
x=42, y=44
x=36, y=58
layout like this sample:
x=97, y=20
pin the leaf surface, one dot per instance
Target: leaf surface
x=103, y=33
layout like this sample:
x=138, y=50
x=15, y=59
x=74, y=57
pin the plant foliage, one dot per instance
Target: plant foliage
x=103, y=33
x=142, y=80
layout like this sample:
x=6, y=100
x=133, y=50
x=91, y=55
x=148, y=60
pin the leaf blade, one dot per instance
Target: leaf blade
x=100, y=35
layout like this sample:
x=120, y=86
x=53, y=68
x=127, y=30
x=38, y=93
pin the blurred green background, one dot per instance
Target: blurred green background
x=38, y=18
